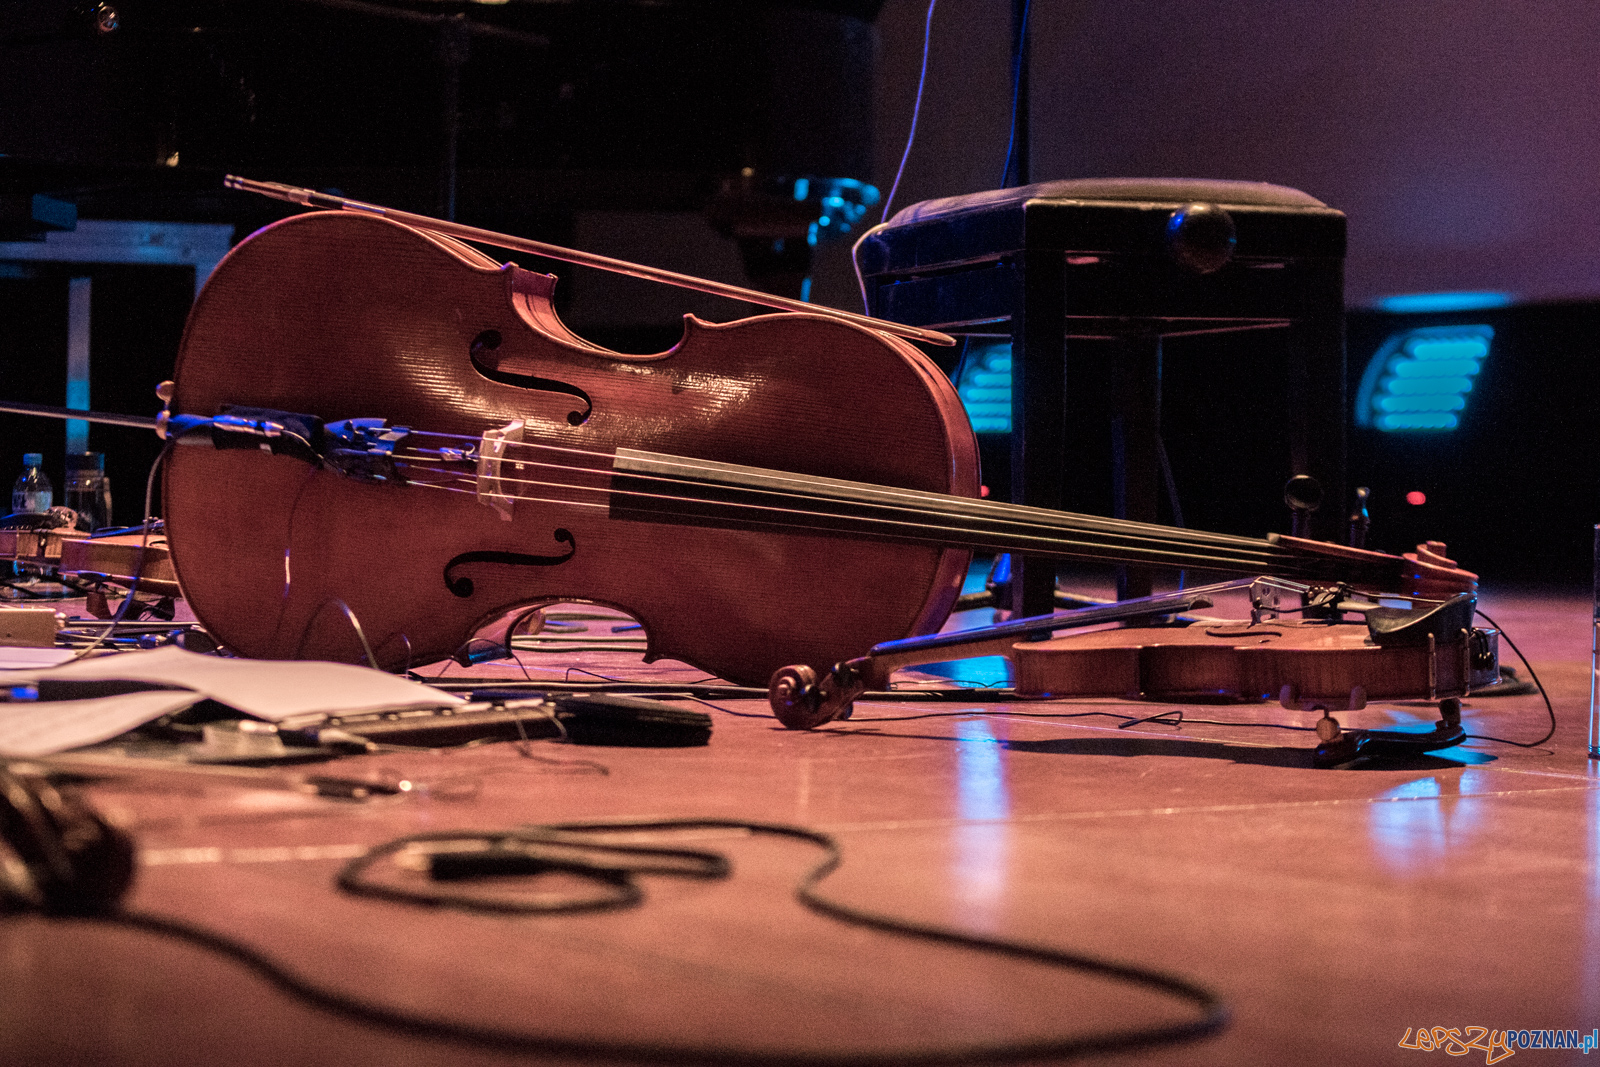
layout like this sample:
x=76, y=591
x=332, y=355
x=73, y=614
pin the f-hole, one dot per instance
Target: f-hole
x=482, y=355
x=464, y=587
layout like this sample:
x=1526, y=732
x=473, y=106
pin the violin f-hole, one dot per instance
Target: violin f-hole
x=481, y=353
x=463, y=586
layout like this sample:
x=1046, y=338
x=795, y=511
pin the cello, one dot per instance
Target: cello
x=412, y=439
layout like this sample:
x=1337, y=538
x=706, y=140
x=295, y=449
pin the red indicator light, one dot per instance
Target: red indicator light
x=1416, y=497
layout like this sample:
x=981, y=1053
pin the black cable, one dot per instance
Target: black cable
x=531, y=851
x=1261, y=725
x=1213, y=1014
x=1548, y=707
x=916, y=113
x=355, y=624
x=1172, y=717
x=702, y=693
x=696, y=690
x=1160, y=718
x=1016, y=92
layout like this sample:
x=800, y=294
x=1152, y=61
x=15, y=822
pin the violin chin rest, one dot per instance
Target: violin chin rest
x=1352, y=745
x=1408, y=628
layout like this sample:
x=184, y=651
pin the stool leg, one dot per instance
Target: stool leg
x=1135, y=464
x=1038, y=411
x=1318, y=407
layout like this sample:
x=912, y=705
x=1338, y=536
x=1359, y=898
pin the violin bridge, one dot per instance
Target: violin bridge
x=493, y=490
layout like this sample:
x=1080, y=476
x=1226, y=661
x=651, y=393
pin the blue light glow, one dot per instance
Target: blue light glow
x=1428, y=402
x=1417, y=825
x=1458, y=301
x=1468, y=348
x=989, y=671
x=1417, y=421
x=1420, y=379
x=1428, y=386
x=840, y=203
x=980, y=773
x=1434, y=368
x=982, y=838
x=984, y=385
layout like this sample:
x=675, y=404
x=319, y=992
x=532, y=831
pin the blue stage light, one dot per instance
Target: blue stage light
x=1417, y=303
x=1419, y=379
x=984, y=385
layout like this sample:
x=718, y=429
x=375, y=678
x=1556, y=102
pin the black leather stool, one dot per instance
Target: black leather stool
x=1131, y=260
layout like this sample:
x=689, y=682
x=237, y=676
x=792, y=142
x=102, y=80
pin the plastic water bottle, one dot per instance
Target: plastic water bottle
x=32, y=492
x=87, y=491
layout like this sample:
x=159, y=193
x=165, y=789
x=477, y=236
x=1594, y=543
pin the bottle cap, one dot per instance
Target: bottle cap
x=86, y=461
x=33, y=459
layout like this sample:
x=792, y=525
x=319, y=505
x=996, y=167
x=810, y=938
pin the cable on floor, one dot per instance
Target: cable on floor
x=612, y=872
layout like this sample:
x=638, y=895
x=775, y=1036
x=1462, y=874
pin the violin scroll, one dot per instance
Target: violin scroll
x=1426, y=573
x=803, y=701
x=1431, y=575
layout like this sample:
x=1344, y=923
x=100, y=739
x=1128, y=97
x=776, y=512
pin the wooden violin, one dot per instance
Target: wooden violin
x=1299, y=663
x=39, y=548
x=423, y=446
x=1426, y=651
x=115, y=559
x=111, y=558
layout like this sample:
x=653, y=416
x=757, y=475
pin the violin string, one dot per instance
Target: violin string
x=917, y=531
x=933, y=504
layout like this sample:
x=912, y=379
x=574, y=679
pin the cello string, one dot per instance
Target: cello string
x=954, y=537
x=998, y=511
x=917, y=532
x=1261, y=552
x=923, y=532
x=927, y=503
x=1266, y=550
x=1002, y=512
x=1257, y=554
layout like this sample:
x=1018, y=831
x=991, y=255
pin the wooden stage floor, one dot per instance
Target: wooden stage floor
x=1333, y=911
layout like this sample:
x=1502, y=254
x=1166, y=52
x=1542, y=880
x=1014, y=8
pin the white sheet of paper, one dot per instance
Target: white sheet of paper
x=45, y=727
x=266, y=688
x=13, y=658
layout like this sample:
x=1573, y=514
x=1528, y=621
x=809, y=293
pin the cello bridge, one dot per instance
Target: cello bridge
x=494, y=489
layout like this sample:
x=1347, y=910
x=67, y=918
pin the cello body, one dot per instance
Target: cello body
x=341, y=316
